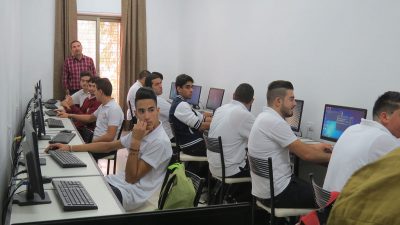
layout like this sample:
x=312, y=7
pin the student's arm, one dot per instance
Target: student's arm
x=185, y=114
x=136, y=168
x=98, y=147
x=318, y=153
x=108, y=136
x=83, y=118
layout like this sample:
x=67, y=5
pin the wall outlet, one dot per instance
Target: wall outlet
x=309, y=126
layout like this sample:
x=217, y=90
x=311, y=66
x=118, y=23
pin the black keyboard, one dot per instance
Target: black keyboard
x=51, y=101
x=53, y=123
x=61, y=137
x=50, y=106
x=51, y=113
x=73, y=195
x=66, y=159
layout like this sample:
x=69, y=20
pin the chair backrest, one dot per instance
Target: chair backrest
x=322, y=197
x=198, y=184
x=263, y=168
x=215, y=145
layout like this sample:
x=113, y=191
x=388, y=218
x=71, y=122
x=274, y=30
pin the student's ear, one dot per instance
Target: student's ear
x=384, y=117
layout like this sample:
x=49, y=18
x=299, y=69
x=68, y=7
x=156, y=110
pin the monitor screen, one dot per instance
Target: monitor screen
x=295, y=120
x=172, y=92
x=337, y=118
x=195, y=96
x=34, y=193
x=215, y=96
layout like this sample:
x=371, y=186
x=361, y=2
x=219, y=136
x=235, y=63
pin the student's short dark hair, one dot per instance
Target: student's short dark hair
x=86, y=74
x=145, y=93
x=143, y=74
x=388, y=102
x=74, y=41
x=104, y=85
x=93, y=79
x=276, y=89
x=149, y=79
x=182, y=80
x=244, y=93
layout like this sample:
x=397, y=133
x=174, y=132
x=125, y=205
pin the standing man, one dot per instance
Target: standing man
x=233, y=122
x=132, y=93
x=154, y=81
x=364, y=143
x=271, y=136
x=149, y=154
x=73, y=66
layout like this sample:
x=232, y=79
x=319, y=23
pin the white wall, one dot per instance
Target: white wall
x=339, y=52
x=108, y=7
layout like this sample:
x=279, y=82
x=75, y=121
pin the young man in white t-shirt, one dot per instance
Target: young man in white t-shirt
x=78, y=97
x=108, y=116
x=271, y=136
x=149, y=154
x=132, y=93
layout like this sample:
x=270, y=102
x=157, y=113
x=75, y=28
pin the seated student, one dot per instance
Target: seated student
x=132, y=93
x=108, y=116
x=188, y=124
x=233, y=122
x=154, y=81
x=78, y=97
x=271, y=136
x=371, y=194
x=88, y=107
x=149, y=154
x=364, y=143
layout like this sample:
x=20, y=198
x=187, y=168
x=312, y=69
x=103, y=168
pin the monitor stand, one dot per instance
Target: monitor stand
x=42, y=162
x=44, y=137
x=22, y=199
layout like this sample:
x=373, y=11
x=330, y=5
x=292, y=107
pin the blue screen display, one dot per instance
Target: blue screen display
x=338, y=118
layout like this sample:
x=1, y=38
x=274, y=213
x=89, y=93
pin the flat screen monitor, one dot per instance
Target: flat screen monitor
x=214, y=100
x=195, y=96
x=39, y=118
x=337, y=119
x=295, y=120
x=172, y=92
x=34, y=193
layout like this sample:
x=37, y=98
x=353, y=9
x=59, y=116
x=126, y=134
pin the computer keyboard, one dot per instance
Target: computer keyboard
x=51, y=112
x=53, y=123
x=61, y=137
x=50, y=106
x=66, y=159
x=73, y=195
x=51, y=101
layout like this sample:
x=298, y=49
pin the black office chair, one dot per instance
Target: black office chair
x=263, y=168
x=198, y=184
x=215, y=145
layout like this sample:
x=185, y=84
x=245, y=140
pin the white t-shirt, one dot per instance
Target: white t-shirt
x=155, y=149
x=269, y=137
x=131, y=97
x=164, y=115
x=79, y=97
x=359, y=145
x=233, y=123
x=107, y=115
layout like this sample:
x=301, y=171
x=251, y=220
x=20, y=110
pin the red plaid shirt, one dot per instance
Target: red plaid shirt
x=72, y=70
x=88, y=107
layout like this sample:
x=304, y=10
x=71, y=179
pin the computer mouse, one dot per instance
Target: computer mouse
x=66, y=131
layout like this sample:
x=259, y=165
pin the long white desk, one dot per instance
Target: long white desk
x=96, y=186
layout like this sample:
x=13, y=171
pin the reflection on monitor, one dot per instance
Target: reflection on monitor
x=338, y=118
x=295, y=120
x=195, y=96
x=215, y=96
x=35, y=193
x=172, y=92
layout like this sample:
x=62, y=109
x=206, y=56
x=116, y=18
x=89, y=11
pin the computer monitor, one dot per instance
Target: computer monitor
x=195, y=96
x=295, y=120
x=40, y=126
x=172, y=92
x=34, y=193
x=214, y=100
x=337, y=118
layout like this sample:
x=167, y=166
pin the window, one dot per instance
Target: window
x=100, y=38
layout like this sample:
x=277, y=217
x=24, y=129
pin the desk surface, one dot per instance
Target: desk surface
x=97, y=188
